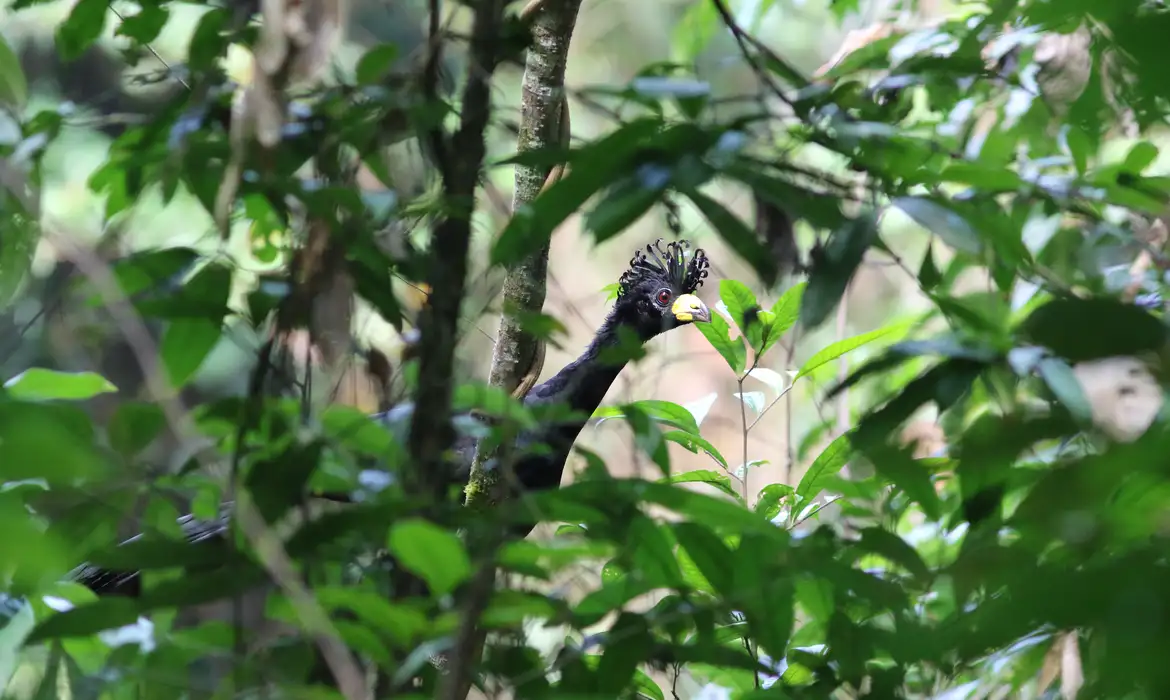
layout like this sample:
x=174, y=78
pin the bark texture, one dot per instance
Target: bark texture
x=543, y=122
x=431, y=432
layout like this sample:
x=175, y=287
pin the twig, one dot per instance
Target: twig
x=468, y=641
x=814, y=511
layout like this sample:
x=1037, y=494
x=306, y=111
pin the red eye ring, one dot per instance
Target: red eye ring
x=664, y=296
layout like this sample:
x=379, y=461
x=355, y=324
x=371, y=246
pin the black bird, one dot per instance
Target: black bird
x=656, y=293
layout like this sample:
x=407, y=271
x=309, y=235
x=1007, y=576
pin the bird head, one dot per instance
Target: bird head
x=657, y=292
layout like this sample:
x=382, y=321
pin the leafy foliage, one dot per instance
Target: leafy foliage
x=978, y=509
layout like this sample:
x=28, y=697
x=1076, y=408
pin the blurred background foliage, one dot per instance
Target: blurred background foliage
x=926, y=470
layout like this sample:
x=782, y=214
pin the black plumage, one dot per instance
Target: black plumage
x=656, y=294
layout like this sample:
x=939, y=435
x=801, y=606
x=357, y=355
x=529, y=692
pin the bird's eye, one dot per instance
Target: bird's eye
x=664, y=296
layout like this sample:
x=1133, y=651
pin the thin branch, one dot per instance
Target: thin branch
x=469, y=638
x=431, y=432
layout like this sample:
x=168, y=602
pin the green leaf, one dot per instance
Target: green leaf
x=693, y=31
x=694, y=443
x=13, y=84
x=928, y=274
x=737, y=235
x=833, y=269
x=703, y=476
x=144, y=26
x=888, y=545
x=403, y=624
x=752, y=399
x=623, y=206
x=185, y=345
x=88, y=619
x=150, y=270
x=988, y=179
x=81, y=28
x=134, y=426
x=839, y=348
x=594, y=167
x=714, y=511
x=718, y=334
x=648, y=437
x=908, y=475
x=666, y=412
x=152, y=553
x=936, y=217
x=374, y=64
x=652, y=550
x=739, y=300
x=197, y=312
x=1141, y=156
x=1080, y=148
x=647, y=687
x=20, y=233
x=1117, y=329
x=786, y=310
x=706, y=549
x=431, y=552
x=770, y=500
x=39, y=384
x=768, y=599
x=824, y=467
x=1059, y=377
x=278, y=483
x=628, y=643
x=775, y=381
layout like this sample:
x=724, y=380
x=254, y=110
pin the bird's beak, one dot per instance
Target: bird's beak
x=689, y=307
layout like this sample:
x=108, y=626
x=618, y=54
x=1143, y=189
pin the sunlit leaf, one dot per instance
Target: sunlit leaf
x=739, y=301
x=699, y=408
x=431, y=552
x=827, y=464
x=38, y=384
x=775, y=381
x=667, y=412
x=752, y=399
x=704, y=476
x=718, y=334
x=771, y=499
x=787, y=309
x=839, y=348
x=708, y=552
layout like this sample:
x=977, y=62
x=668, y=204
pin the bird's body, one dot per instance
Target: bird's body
x=656, y=294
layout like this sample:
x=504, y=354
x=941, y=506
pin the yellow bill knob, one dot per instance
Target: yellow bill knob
x=689, y=307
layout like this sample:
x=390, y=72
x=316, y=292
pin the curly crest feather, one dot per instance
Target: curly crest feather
x=669, y=264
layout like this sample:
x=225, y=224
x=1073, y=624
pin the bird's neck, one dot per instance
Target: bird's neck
x=584, y=382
